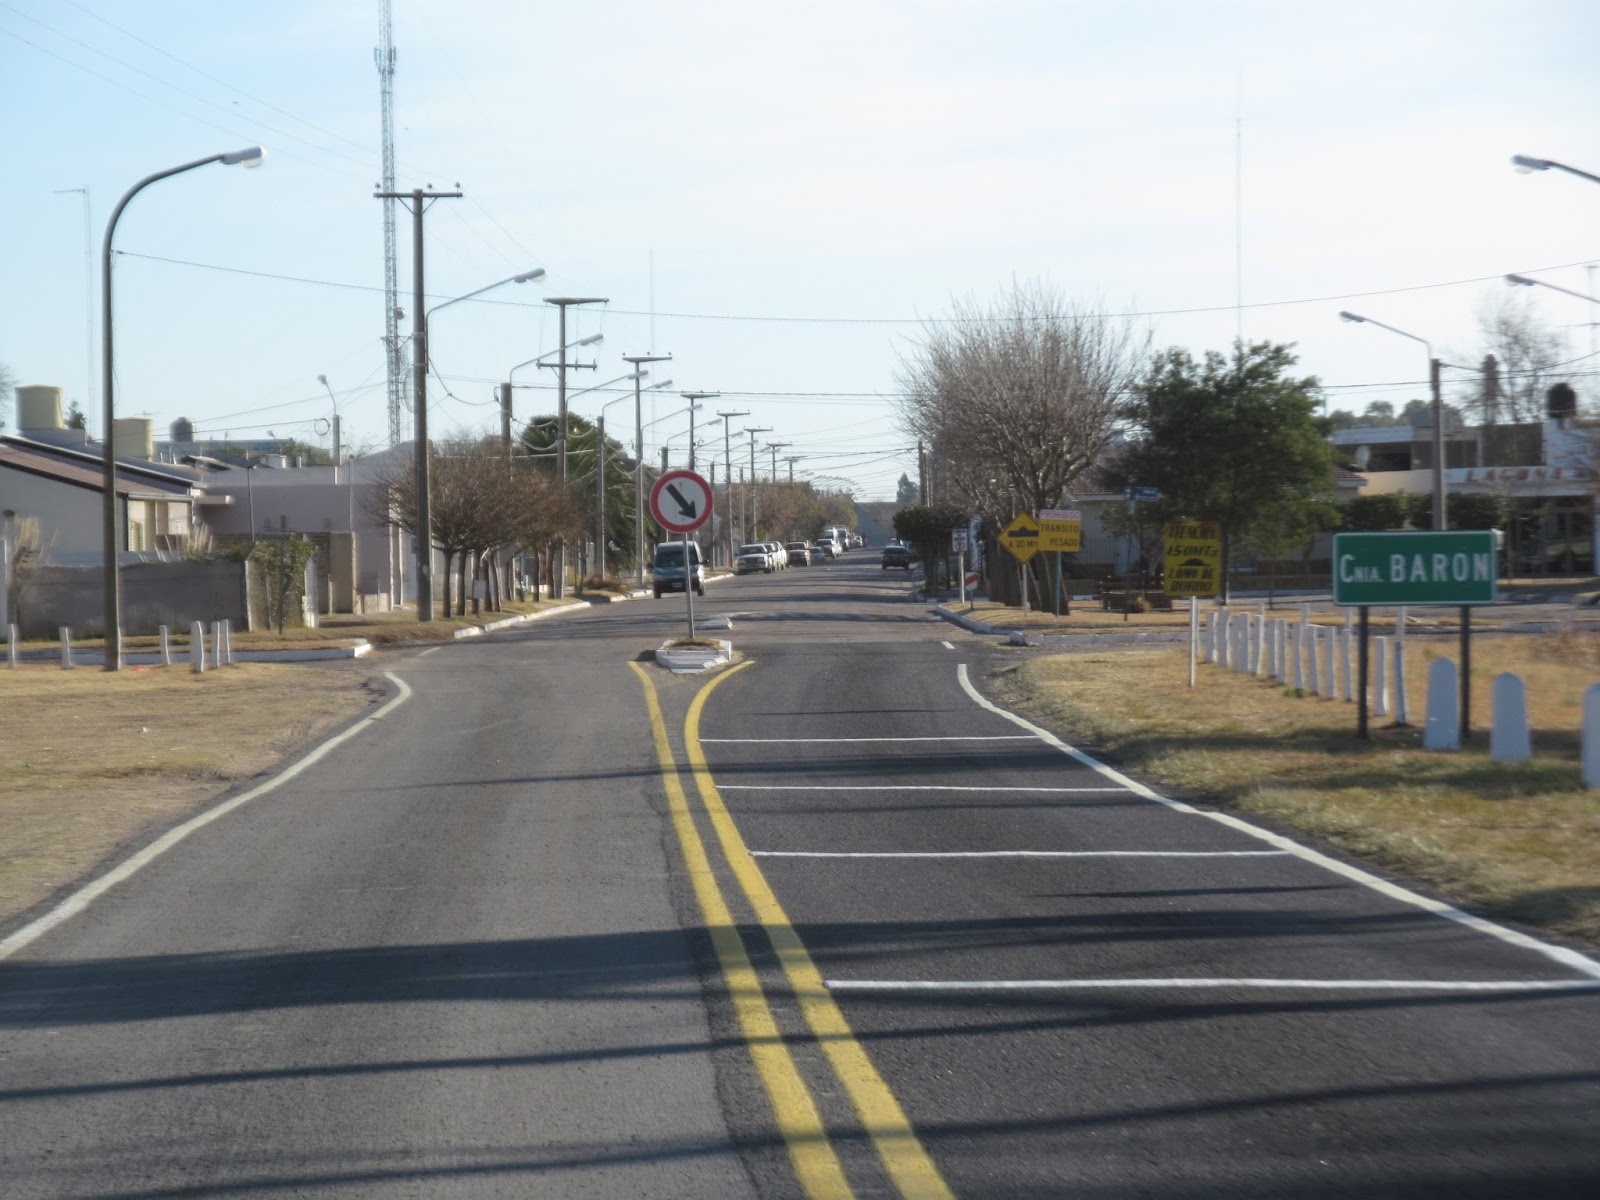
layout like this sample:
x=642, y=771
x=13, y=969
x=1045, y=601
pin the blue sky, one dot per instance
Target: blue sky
x=787, y=189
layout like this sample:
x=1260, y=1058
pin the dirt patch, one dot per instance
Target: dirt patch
x=99, y=761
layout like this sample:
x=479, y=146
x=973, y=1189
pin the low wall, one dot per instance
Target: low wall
x=174, y=594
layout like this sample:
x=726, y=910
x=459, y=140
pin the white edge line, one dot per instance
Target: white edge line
x=1019, y=854
x=1560, y=954
x=948, y=645
x=427, y=652
x=90, y=892
x=903, y=787
x=977, y=737
x=1332, y=985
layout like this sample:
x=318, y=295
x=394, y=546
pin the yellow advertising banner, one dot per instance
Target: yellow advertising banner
x=1194, y=558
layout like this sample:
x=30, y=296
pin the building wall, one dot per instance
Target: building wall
x=174, y=594
x=69, y=517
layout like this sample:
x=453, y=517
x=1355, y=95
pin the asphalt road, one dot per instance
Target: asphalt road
x=474, y=951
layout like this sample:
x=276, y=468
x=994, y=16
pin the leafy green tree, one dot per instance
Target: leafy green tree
x=1225, y=439
x=539, y=442
x=1376, y=513
x=927, y=527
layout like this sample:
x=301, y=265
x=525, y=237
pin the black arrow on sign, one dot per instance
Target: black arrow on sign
x=683, y=505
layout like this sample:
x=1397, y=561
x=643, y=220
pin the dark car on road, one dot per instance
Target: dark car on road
x=896, y=555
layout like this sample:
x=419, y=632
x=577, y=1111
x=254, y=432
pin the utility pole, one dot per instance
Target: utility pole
x=755, y=503
x=694, y=399
x=558, y=581
x=419, y=353
x=775, y=447
x=637, y=361
x=505, y=418
x=727, y=474
x=791, y=459
x=922, y=475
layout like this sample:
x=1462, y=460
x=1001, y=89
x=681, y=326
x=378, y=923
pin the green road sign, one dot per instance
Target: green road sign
x=1458, y=567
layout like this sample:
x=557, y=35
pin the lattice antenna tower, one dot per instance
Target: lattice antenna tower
x=393, y=351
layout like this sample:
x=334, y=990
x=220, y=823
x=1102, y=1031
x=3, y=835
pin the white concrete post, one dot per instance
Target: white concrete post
x=66, y=648
x=1247, y=660
x=166, y=648
x=1402, y=715
x=1313, y=670
x=1305, y=614
x=1263, y=653
x=1212, y=620
x=1508, y=730
x=1590, y=737
x=1330, y=689
x=216, y=643
x=11, y=645
x=197, y=647
x=1300, y=657
x=1224, y=637
x=227, y=642
x=1380, y=676
x=5, y=581
x=1442, y=730
x=1346, y=687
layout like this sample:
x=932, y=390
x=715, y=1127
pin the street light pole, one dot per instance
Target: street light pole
x=637, y=361
x=251, y=156
x=727, y=471
x=558, y=581
x=1438, y=411
x=1526, y=281
x=1522, y=164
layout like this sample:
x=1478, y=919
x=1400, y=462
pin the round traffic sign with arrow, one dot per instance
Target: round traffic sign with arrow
x=680, y=501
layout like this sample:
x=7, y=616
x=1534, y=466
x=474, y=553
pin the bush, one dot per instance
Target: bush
x=604, y=583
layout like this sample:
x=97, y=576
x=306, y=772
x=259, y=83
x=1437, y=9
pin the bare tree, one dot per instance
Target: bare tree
x=1016, y=400
x=1523, y=352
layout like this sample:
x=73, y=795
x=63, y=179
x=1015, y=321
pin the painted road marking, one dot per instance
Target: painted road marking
x=908, y=787
x=904, y=1157
x=428, y=651
x=1559, y=954
x=815, y=1163
x=948, y=645
x=972, y=737
x=1021, y=854
x=89, y=893
x=1335, y=985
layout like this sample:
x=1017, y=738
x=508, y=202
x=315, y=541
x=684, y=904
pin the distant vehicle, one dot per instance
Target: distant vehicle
x=826, y=548
x=857, y=541
x=799, y=554
x=839, y=536
x=780, y=557
x=753, y=557
x=896, y=555
x=667, y=569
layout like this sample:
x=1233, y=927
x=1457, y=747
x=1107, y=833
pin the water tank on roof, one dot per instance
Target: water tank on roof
x=133, y=437
x=38, y=408
x=183, y=430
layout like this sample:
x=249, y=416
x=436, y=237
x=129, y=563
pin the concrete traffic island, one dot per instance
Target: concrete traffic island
x=702, y=654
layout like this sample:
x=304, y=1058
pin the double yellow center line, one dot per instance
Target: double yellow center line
x=816, y=1164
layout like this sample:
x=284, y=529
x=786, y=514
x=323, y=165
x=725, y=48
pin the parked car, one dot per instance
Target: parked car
x=667, y=569
x=799, y=554
x=753, y=556
x=896, y=555
x=826, y=548
x=780, y=557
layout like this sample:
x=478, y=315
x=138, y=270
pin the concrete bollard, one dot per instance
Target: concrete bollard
x=1442, y=730
x=66, y=648
x=1263, y=664
x=216, y=644
x=1508, y=730
x=227, y=643
x=1591, y=736
x=1212, y=620
x=166, y=647
x=1313, y=667
x=197, y=648
x=1380, y=676
x=1402, y=715
x=1347, y=690
x=1299, y=669
x=11, y=645
x=1224, y=637
x=1275, y=668
x=1330, y=635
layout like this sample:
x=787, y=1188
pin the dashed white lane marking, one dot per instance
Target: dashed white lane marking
x=906, y=787
x=1333, y=985
x=948, y=645
x=89, y=893
x=1560, y=954
x=428, y=651
x=1021, y=854
x=974, y=737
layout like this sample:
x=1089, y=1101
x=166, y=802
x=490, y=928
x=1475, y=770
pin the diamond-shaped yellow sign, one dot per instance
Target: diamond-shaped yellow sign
x=1021, y=537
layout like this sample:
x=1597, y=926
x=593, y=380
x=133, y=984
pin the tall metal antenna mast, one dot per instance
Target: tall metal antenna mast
x=394, y=354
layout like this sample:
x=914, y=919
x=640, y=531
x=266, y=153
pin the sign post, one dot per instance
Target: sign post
x=1060, y=531
x=680, y=502
x=1021, y=538
x=1445, y=567
x=1193, y=568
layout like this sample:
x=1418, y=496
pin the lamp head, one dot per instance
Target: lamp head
x=323, y=380
x=1522, y=164
x=1350, y=316
x=250, y=156
x=1519, y=281
x=536, y=273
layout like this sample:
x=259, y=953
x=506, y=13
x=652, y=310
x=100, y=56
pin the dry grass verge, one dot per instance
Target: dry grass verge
x=1516, y=841
x=97, y=760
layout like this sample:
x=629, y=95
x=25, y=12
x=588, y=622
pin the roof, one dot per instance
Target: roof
x=94, y=460
x=18, y=454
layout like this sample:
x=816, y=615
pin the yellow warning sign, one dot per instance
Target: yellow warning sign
x=1061, y=535
x=1021, y=537
x=1194, y=558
